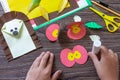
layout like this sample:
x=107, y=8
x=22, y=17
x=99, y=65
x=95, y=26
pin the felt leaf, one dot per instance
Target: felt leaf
x=62, y=5
x=33, y=5
x=44, y=13
x=93, y=25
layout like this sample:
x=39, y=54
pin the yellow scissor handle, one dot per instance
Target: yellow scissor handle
x=111, y=24
x=113, y=19
x=111, y=27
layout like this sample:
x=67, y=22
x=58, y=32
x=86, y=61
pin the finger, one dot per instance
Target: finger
x=50, y=62
x=56, y=75
x=111, y=53
x=116, y=56
x=94, y=58
x=44, y=60
x=38, y=60
x=104, y=51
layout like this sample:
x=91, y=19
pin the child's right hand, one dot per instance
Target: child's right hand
x=108, y=66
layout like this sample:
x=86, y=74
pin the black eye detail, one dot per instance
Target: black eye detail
x=15, y=28
x=11, y=30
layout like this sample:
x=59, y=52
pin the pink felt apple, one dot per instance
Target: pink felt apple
x=76, y=30
x=52, y=32
x=77, y=55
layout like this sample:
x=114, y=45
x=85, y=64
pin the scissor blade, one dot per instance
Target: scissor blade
x=97, y=11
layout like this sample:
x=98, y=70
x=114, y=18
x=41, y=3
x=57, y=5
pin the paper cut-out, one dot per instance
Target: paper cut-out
x=49, y=5
x=93, y=25
x=76, y=30
x=52, y=32
x=17, y=36
x=77, y=18
x=62, y=5
x=44, y=13
x=77, y=55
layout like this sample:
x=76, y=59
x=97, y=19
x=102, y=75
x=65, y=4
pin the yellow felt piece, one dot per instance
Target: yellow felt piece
x=70, y=56
x=55, y=33
x=77, y=54
x=73, y=56
x=75, y=29
x=44, y=13
x=22, y=6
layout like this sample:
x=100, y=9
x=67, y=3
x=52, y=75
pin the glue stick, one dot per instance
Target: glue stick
x=96, y=46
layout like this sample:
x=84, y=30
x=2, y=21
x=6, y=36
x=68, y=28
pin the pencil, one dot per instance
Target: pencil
x=110, y=10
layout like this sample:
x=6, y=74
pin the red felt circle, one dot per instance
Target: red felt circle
x=83, y=52
x=79, y=35
x=64, y=58
x=49, y=31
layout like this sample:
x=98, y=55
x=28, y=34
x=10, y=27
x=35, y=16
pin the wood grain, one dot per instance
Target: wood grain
x=17, y=69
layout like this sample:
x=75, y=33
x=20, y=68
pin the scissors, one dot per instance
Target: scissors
x=112, y=22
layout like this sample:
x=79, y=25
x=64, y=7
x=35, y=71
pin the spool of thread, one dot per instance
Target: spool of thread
x=96, y=46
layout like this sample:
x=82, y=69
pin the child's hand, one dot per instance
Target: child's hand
x=41, y=68
x=108, y=66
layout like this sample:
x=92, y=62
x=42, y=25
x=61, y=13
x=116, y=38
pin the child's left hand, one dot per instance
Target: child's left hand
x=41, y=68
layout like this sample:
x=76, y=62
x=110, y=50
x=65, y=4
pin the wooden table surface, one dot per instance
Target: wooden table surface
x=17, y=69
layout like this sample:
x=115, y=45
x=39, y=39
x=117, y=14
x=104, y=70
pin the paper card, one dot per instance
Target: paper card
x=16, y=33
x=21, y=43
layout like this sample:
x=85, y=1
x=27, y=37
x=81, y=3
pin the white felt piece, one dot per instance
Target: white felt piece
x=77, y=18
x=82, y=3
x=21, y=44
x=94, y=37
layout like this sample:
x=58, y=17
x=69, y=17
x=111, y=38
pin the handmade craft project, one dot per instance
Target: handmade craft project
x=76, y=30
x=52, y=32
x=77, y=55
x=32, y=7
x=17, y=36
x=50, y=6
x=93, y=25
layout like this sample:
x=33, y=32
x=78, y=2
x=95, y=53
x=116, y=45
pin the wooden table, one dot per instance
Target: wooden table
x=17, y=69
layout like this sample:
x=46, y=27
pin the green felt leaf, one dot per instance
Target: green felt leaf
x=93, y=25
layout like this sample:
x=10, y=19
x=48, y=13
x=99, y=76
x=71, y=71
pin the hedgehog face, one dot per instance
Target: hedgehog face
x=13, y=27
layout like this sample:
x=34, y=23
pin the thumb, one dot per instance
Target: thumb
x=94, y=58
x=56, y=75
